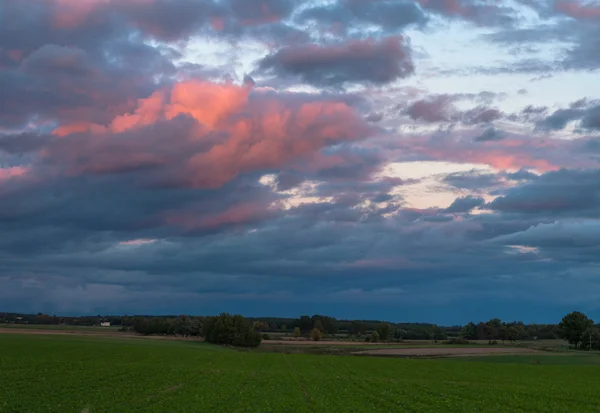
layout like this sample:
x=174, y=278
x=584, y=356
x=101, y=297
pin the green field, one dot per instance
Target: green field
x=74, y=374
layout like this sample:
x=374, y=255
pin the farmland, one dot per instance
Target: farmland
x=59, y=373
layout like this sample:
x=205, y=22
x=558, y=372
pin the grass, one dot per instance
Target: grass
x=71, y=373
x=337, y=349
x=580, y=358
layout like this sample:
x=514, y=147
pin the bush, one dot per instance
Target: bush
x=231, y=330
x=492, y=342
x=456, y=340
x=374, y=337
x=265, y=336
x=315, y=334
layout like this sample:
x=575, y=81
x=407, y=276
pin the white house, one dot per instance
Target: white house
x=105, y=324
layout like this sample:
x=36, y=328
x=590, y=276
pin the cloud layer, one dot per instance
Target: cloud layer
x=279, y=157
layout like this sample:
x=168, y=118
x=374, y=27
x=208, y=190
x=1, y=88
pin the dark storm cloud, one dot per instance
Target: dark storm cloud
x=361, y=61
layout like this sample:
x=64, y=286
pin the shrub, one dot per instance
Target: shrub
x=297, y=332
x=315, y=334
x=374, y=337
x=456, y=340
x=265, y=336
x=492, y=342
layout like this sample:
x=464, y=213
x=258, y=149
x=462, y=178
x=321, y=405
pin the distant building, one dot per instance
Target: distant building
x=105, y=324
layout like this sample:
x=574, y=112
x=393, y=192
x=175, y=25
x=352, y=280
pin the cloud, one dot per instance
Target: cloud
x=131, y=150
x=361, y=61
x=578, y=10
x=558, y=193
x=203, y=135
x=567, y=234
x=465, y=204
x=441, y=108
x=472, y=180
x=587, y=113
x=483, y=13
x=343, y=15
x=434, y=109
x=480, y=114
x=490, y=134
x=510, y=154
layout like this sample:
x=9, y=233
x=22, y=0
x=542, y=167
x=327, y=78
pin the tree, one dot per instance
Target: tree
x=383, y=330
x=399, y=334
x=297, y=332
x=319, y=326
x=315, y=334
x=590, y=336
x=572, y=327
x=357, y=327
x=231, y=330
x=305, y=324
x=515, y=332
x=374, y=337
x=469, y=331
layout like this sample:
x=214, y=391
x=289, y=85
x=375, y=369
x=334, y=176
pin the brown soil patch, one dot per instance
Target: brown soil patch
x=446, y=352
x=88, y=333
x=324, y=342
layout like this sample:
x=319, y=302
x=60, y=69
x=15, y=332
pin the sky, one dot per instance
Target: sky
x=428, y=160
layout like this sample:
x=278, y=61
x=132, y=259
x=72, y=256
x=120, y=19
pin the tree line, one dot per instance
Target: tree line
x=576, y=328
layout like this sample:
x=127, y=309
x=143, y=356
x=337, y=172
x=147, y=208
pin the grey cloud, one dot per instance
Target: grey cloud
x=473, y=180
x=491, y=134
x=362, y=61
x=19, y=144
x=563, y=234
x=559, y=119
x=591, y=119
x=586, y=112
x=480, y=114
x=433, y=109
x=561, y=193
x=390, y=15
x=521, y=175
x=465, y=204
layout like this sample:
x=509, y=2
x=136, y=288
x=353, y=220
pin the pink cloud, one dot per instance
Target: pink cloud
x=236, y=215
x=578, y=10
x=511, y=154
x=205, y=134
x=12, y=172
